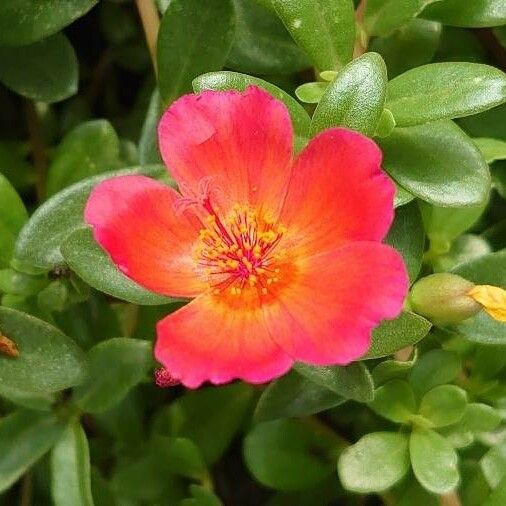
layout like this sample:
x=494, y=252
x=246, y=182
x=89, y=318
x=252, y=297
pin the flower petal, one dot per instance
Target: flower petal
x=133, y=219
x=338, y=193
x=218, y=339
x=243, y=141
x=326, y=314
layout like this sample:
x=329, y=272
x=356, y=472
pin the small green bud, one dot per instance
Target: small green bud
x=443, y=298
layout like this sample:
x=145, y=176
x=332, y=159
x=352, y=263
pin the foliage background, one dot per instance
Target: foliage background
x=81, y=420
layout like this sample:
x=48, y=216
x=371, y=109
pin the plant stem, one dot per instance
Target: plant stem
x=451, y=499
x=151, y=24
x=38, y=148
x=362, y=38
x=26, y=490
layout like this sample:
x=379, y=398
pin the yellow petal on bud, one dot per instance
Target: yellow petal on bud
x=493, y=300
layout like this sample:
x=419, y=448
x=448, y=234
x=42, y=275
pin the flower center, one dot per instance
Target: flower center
x=238, y=252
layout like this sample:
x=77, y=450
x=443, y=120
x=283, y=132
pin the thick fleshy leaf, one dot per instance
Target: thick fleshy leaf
x=374, y=463
x=419, y=38
x=351, y=382
x=394, y=401
x=332, y=20
x=48, y=360
x=438, y=163
x=406, y=235
x=491, y=149
x=294, y=395
x=193, y=38
x=94, y=266
x=70, y=468
x=381, y=17
x=13, y=215
x=434, y=368
x=443, y=405
x=434, y=461
x=25, y=436
x=39, y=241
x=261, y=43
x=428, y=93
x=480, y=418
x=470, y=14
x=289, y=454
x=46, y=70
x=216, y=411
x=234, y=81
x=493, y=464
x=87, y=150
x=391, y=369
x=115, y=367
x=391, y=336
x=25, y=21
x=355, y=98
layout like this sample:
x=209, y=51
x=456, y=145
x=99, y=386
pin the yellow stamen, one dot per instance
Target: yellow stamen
x=492, y=298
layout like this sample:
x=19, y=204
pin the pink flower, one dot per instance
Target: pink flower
x=283, y=257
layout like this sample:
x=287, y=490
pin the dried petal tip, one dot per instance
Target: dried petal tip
x=8, y=347
x=164, y=379
x=493, y=300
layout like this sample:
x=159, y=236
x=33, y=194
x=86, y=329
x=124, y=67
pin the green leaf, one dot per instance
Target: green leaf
x=419, y=39
x=434, y=368
x=381, y=17
x=482, y=329
x=288, y=454
x=25, y=436
x=333, y=22
x=493, y=465
x=70, y=468
x=491, y=149
x=35, y=401
x=235, y=81
x=294, y=395
x=429, y=93
x=13, y=215
x=374, y=463
x=438, y=163
x=355, y=98
x=261, y=43
x=48, y=360
x=46, y=70
x=391, y=336
x=465, y=248
x=351, y=382
x=444, y=224
x=486, y=270
x=88, y=150
x=92, y=264
x=434, y=461
x=177, y=455
x=148, y=142
x=480, y=418
x=473, y=14
x=25, y=21
x=193, y=38
x=201, y=497
x=498, y=496
x=38, y=244
x=216, y=411
x=116, y=366
x=393, y=369
x=311, y=93
x=406, y=235
x=443, y=405
x=394, y=401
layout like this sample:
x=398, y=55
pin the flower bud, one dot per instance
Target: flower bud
x=443, y=298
